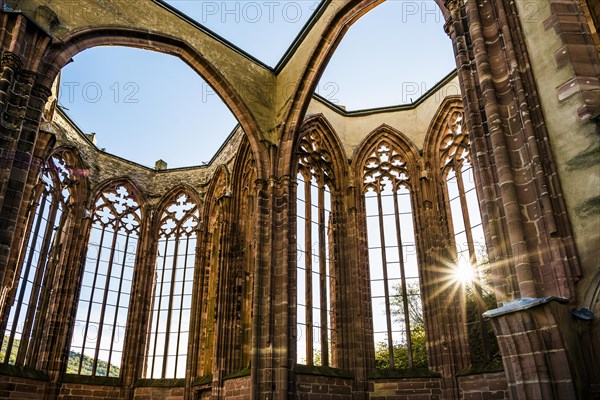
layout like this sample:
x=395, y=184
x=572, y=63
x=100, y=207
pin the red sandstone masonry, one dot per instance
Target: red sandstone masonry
x=490, y=386
x=156, y=393
x=238, y=388
x=314, y=387
x=74, y=391
x=21, y=388
x=405, y=389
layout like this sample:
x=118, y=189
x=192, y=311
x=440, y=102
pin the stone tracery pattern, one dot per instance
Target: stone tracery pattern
x=107, y=282
x=173, y=278
x=394, y=272
x=314, y=263
x=24, y=324
x=383, y=165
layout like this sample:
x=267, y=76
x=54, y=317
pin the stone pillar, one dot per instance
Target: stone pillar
x=60, y=317
x=524, y=214
x=140, y=311
x=22, y=103
x=444, y=303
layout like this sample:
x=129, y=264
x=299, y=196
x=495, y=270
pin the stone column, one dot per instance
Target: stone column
x=521, y=200
x=22, y=103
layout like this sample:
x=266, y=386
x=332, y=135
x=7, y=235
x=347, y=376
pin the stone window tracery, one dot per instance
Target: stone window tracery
x=393, y=269
x=23, y=328
x=314, y=248
x=173, y=280
x=97, y=343
x=466, y=230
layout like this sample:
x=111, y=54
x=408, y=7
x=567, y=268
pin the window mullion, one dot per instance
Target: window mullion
x=25, y=274
x=403, y=283
x=159, y=294
x=187, y=246
x=170, y=310
x=388, y=314
x=112, y=339
x=323, y=276
x=466, y=219
x=105, y=297
x=89, y=313
x=473, y=264
x=37, y=283
x=308, y=270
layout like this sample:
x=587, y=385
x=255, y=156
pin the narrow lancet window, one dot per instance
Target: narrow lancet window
x=167, y=352
x=471, y=269
x=398, y=326
x=23, y=330
x=314, y=264
x=97, y=344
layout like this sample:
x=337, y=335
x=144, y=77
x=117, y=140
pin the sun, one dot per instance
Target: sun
x=463, y=272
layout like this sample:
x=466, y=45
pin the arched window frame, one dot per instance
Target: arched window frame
x=116, y=205
x=179, y=223
x=245, y=189
x=386, y=155
x=51, y=209
x=449, y=144
x=209, y=298
x=319, y=170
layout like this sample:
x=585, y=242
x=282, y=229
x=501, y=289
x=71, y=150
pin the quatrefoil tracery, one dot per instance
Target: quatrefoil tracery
x=314, y=159
x=454, y=146
x=385, y=165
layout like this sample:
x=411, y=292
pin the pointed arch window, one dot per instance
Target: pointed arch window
x=97, y=343
x=393, y=269
x=23, y=330
x=466, y=229
x=315, y=281
x=173, y=280
x=248, y=244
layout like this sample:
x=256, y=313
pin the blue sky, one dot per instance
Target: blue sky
x=144, y=105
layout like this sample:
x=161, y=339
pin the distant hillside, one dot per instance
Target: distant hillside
x=86, y=366
x=72, y=365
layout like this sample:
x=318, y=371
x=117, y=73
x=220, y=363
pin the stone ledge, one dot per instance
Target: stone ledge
x=403, y=373
x=92, y=380
x=323, y=371
x=165, y=383
x=521, y=304
x=23, y=372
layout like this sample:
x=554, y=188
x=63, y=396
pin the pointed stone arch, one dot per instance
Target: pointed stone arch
x=61, y=53
x=332, y=26
x=326, y=150
x=399, y=142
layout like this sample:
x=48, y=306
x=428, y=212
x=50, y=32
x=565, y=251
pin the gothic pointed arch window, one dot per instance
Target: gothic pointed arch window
x=398, y=326
x=52, y=205
x=246, y=209
x=315, y=281
x=467, y=233
x=173, y=281
x=97, y=344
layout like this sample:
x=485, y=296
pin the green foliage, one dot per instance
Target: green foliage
x=419, y=351
x=12, y=359
x=476, y=330
x=87, y=364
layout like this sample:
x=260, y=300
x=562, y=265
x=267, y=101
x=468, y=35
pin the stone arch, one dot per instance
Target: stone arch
x=339, y=22
x=433, y=137
x=137, y=194
x=77, y=168
x=173, y=193
x=331, y=144
x=60, y=54
x=395, y=138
